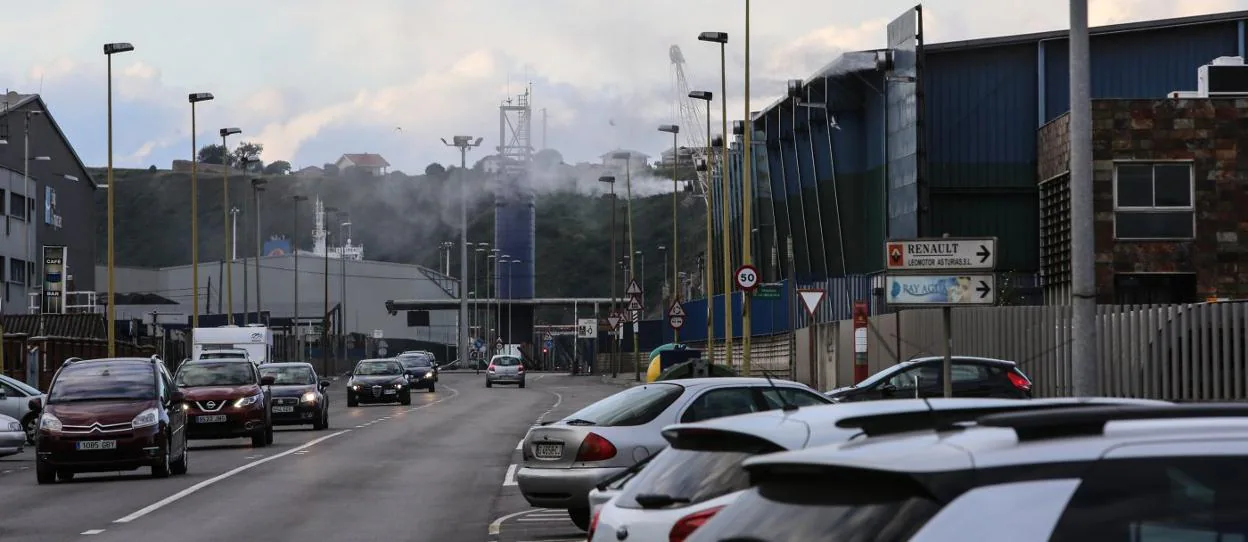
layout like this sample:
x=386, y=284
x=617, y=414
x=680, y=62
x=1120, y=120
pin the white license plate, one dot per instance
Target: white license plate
x=283, y=409
x=549, y=451
x=211, y=419
x=388, y=392
x=97, y=445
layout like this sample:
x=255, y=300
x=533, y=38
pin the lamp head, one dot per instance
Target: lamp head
x=196, y=97
x=120, y=47
x=714, y=37
x=230, y=131
x=670, y=128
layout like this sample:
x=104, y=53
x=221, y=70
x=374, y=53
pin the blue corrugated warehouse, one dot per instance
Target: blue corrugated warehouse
x=924, y=139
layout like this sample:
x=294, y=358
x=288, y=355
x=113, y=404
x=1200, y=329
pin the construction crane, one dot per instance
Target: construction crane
x=692, y=118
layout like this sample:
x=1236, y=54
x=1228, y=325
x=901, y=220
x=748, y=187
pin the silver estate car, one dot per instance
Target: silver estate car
x=564, y=460
x=504, y=369
x=15, y=397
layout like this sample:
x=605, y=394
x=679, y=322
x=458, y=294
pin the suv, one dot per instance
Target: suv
x=227, y=398
x=1109, y=473
x=111, y=414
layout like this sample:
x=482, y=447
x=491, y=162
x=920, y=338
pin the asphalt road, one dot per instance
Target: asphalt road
x=437, y=470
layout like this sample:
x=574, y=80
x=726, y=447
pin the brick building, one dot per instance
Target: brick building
x=1171, y=200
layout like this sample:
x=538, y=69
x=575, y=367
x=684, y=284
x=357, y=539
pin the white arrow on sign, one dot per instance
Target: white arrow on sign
x=634, y=304
x=633, y=288
x=676, y=322
x=677, y=310
x=811, y=299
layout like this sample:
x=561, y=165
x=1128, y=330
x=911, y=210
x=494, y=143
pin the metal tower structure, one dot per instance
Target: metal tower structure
x=692, y=120
x=515, y=218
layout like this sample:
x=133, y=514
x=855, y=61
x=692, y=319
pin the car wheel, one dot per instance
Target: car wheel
x=489, y=384
x=580, y=518
x=44, y=473
x=323, y=423
x=258, y=439
x=163, y=466
x=64, y=475
x=30, y=424
x=181, y=465
x=406, y=398
x=431, y=388
x=352, y=401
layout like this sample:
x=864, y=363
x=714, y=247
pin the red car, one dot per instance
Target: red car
x=107, y=415
x=227, y=398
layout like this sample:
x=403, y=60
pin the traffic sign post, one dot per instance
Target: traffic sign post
x=676, y=316
x=941, y=272
x=634, y=289
x=747, y=278
x=634, y=305
x=811, y=299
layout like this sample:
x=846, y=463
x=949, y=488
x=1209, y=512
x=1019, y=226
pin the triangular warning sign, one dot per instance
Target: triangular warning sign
x=633, y=288
x=811, y=299
x=677, y=310
x=634, y=304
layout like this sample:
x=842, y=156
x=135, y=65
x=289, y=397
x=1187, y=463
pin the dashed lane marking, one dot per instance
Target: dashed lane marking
x=89, y=532
x=510, y=478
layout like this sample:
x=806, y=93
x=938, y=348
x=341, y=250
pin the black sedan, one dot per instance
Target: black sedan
x=378, y=381
x=922, y=377
x=422, y=371
x=299, y=397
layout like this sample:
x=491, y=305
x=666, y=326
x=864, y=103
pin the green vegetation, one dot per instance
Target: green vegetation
x=397, y=218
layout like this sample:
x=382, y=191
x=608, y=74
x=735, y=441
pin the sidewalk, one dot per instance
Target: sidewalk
x=624, y=380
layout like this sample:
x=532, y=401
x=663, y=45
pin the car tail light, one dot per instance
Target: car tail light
x=520, y=369
x=490, y=369
x=690, y=523
x=595, y=448
x=593, y=524
x=1019, y=381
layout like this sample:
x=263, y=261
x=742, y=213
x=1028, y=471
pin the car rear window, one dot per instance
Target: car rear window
x=634, y=406
x=289, y=376
x=686, y=477
x=507, y=361
x=103, y=381
x=1160, y=498
x=415, y=361
x=801, y=509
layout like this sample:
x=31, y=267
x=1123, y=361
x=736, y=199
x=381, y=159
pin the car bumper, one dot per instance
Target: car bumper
x=302, y=413
x=505, y=379
x=237, y=424
x=365, y=395
x=12, y=442
x=135, y=449
x=422, y=382
x=561, y=488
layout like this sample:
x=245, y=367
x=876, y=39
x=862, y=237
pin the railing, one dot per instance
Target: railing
x=85, y=302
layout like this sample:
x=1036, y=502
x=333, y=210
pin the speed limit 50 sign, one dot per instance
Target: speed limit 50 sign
x=747, y=277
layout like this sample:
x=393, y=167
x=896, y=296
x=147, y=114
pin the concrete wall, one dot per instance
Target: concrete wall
x=368, y=286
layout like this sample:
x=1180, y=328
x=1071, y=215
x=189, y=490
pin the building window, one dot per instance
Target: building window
x=1154, y=200
x=17, y=271
x=17, y=206
x=1154, y=288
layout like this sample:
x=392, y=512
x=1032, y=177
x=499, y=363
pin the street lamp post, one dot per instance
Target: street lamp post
x=726, y=265
x=28, y=270
x=464, y=144
x=345, y=238
x=325, y=317
x=225, y=211
x=195, y=98
x=747, y=204
x=111, y=49
x=675, y=131
x=510, y=306
x=294, y=247
x=709, y=254
x=257, y=186
x=628, y=210
x=476, y=287
x=615, y=367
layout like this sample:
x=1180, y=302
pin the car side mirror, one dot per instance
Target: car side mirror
x=324, y=383
x=35, y=404
x=177, y=397
x=267, y=380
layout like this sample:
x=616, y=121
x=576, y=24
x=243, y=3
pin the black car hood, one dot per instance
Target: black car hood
x=419, y=370
x=376, y=379
x=292, y=391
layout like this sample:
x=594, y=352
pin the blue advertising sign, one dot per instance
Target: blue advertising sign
x=941, y=290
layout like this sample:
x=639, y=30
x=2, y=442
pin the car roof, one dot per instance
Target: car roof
x=395, y=360
x=217, y=360
x=287, y=364
x=994, y=361
x=720, y=381
x=980, y=446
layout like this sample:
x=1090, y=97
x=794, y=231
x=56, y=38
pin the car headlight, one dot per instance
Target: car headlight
x=14, y=426
x=398, y=385
x=146, y=418
x=355, y=387
x=309, y=397
x=248, y=401
x=49, y=422
x=428, y=375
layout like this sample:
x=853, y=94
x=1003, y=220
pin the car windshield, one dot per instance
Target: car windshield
x=223, y=373
x=634, y=406
x=377, y=368
x=19, y=385
x=877, y=377
x=415, y=361
x=678, y=478
x=223, y=355
x=506, y=361
x=289, y=376
x=103, y=381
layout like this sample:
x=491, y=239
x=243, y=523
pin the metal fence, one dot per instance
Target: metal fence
x=1173, y=352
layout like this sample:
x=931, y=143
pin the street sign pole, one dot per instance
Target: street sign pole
x=747, y=279
x=635, y=306
x=942, y=272
x=810, y=300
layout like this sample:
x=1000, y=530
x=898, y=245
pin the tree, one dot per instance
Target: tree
x=331, y=170
x=152, y=169
x=280, y=167
x=435, y=170
x=214, y=154
x=248, y=150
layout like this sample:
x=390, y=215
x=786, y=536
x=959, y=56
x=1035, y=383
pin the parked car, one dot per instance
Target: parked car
x=921, y=377
x=504, y=369
x=1157, y=472
x=112, y=414
x=700, y=472
x=565, y=459
x=378, y=381
x=226, y=399
x=421, y=369
x=12, y=436
x=299, y=396
x=15, y=397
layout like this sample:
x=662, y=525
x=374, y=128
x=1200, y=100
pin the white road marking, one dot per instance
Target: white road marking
x=510, y=479
x=359, y=426
x=92, y=531
x=526, y=519
x=558, y=401
x=519, y=446
x=242, y=468
x=498, y=523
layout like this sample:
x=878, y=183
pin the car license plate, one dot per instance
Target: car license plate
x=283, y=409
x=549, y=451
x=388, y=392
x=97, y=445
x=211, y=419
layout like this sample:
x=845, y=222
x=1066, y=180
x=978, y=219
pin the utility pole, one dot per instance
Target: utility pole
x=464, y=144
x=294, y=247
x=747, y=204
x=1082, y=241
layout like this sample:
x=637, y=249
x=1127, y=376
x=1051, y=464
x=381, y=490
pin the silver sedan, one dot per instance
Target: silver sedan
x=15, y=397
x=12, y=437
x=566, y=459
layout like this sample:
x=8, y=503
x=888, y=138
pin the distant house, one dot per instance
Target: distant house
x=373, y=164
x=310, y=171
x=616, y=159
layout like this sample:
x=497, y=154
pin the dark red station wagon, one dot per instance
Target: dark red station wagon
x=226, y=398
x=112, y=414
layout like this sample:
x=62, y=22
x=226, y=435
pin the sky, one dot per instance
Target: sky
x=313, y=79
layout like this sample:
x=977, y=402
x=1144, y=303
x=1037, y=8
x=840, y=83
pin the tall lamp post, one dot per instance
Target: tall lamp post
x=111, y=49
x=344, y=235
x=257, y=186
x=478, y=253
x=464, y=144
x=628, y=211
x=610, y=180
x=510, y=306
x=294, y=247
x=708, y=96
x=225, y=212
x=726, y=265
x=194, y=98
x=747, y=204
x=675, y=131
x=325, y=317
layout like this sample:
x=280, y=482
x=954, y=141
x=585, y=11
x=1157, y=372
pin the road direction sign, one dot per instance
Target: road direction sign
x=586, y=328
x=548, y=344
x=676, y=322
x=811, y=300
x=948, y=289
x=677, y=310
x=634, y=304
x=634, y=289
x=614, y=320
x=747, y=277
x=941, y=253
